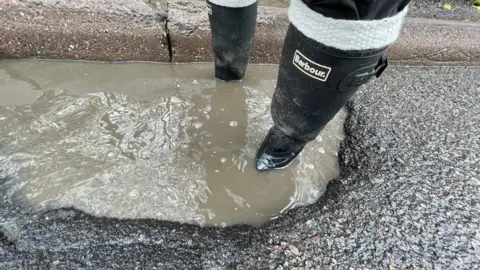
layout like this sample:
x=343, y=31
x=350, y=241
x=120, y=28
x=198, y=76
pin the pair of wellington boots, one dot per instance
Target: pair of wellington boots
x=314, y=80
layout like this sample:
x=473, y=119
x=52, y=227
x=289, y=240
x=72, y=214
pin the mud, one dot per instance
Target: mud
x=138, y=140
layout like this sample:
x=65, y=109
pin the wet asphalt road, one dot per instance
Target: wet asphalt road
x=408, y=197
x=461, y=10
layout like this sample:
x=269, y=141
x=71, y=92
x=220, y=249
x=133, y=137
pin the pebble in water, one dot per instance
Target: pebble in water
x=197, y=125
x=133, y=193
x=233, y=123
x=223, y=160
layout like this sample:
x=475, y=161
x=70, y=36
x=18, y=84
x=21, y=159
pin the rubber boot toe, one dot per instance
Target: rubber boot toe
x=278, y=151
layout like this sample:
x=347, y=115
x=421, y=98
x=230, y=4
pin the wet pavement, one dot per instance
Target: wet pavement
x=461, y=10
x=407, y=198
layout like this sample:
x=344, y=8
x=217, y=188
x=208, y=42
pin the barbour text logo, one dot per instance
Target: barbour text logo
x=311, y=68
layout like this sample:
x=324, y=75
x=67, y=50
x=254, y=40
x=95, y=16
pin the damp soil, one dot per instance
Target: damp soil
x=275, y=3
x=144, y=140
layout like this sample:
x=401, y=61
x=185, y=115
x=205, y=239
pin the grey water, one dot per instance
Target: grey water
x=145, y=140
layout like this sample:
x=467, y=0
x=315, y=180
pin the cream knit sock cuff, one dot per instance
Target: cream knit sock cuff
x=345, y=34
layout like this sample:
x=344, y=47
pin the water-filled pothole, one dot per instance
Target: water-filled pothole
x=139, y=140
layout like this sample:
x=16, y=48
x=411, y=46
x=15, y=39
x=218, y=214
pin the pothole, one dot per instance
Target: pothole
x=138, y=140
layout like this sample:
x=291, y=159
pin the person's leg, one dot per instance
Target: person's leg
x=331, y=49
x=232, y=23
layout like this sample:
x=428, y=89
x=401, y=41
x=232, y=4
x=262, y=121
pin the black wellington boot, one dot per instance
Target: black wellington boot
x=314, y=83
x=233, y=31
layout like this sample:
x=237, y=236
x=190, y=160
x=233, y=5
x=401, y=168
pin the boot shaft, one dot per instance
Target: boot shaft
x=233, y=32
x=315, y=81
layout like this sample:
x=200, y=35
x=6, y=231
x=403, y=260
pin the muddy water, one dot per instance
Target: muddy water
x=138, y=140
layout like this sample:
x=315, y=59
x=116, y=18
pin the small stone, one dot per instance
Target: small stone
x=283, y=244
x=342, y=220
x=56, y=262
x=133, y=193
x=197, y=125
x=294, y=250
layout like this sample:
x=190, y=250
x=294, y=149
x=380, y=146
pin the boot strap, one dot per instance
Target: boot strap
x=361, y=76
x=381, y=66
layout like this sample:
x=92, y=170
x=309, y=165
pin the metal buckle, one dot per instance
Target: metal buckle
x=381, y=66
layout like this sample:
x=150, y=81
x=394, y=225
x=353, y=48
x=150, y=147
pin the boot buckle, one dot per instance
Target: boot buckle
x=381, y=66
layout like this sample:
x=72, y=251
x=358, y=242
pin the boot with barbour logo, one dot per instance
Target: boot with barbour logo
x=330, y=50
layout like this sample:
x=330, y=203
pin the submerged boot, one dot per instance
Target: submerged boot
x=314, y=83
x=232, y=23
x=278, y=150
x=316, y=80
